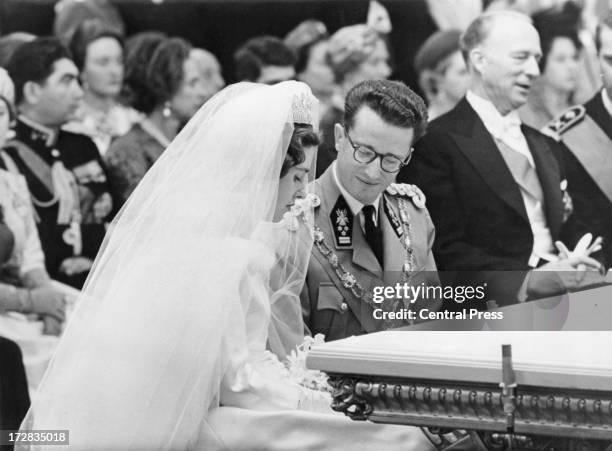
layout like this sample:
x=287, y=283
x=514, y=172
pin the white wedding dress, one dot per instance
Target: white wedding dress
x=169, y=347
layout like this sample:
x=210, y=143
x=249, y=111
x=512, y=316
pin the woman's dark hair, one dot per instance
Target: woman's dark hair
x=139, y=49
x=86, y=33
x=547, y=40
x=164, y=74
x=303, y=136
x=552, y=24
x=259, y=52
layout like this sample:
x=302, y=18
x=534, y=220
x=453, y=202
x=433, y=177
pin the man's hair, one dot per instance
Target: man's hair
x=86, y=33
x=33, y=61
x=480, y=28
x=605, y=22
x=303, y=136
x=393, y=101
x=259, y=52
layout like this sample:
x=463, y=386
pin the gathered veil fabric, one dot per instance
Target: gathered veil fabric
x=193, y=283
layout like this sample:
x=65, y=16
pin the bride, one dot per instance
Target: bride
x=198, y=280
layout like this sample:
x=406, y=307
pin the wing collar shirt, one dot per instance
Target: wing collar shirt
x=353, y=203
x=507, y=129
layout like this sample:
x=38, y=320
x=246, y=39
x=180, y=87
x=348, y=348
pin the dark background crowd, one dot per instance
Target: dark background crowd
x=93, y=91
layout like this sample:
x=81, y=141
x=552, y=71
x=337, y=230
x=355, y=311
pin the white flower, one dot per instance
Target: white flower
x=296, y=364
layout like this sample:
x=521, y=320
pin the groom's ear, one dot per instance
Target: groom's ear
x=339, y=136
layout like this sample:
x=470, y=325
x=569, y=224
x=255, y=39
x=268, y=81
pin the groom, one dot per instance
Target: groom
x=369, y=233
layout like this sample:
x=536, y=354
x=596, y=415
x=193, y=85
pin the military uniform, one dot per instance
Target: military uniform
x=585, y=133
x=35, y=150
x=343, y=269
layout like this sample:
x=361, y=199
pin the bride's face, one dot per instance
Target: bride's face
x=293, y=184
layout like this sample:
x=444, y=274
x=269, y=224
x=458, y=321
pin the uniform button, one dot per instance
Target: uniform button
x=343, y=306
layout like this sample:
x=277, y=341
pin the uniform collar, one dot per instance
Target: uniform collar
x=39, y=131
x=353, y=203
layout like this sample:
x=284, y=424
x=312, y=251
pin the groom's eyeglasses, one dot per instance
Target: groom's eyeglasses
x=388, y=163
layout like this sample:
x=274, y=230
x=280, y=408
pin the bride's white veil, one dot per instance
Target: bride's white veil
x=189, y=274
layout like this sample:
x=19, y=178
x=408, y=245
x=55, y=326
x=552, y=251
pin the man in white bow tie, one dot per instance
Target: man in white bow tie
x=496, y=192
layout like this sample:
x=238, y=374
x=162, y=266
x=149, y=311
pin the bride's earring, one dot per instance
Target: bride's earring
x=167, y=111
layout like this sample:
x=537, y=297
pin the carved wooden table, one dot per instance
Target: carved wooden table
x=447, y=381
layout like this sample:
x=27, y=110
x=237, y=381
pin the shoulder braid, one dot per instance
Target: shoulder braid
x=564, y=122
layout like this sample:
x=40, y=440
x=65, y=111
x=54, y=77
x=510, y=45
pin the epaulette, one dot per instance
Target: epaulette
x=564, y=122
x=407, y=190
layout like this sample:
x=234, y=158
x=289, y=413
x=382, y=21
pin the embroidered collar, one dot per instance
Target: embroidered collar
x=49, y=135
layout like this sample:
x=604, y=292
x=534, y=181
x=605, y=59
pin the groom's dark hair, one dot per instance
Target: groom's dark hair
x=303, y=136
x=393, y=101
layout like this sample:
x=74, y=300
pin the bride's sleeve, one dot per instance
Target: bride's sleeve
x=254, y=378
x=257, y=384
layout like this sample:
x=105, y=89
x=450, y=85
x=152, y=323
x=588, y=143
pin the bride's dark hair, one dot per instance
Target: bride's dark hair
x=303, y=136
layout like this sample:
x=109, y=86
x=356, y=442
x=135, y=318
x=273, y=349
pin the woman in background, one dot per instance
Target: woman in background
x=173, y=91
x=210, y=69
x=98, y=53
x=552, y=93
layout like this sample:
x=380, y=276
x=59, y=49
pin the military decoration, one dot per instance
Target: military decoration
x=568, y=205
x=342, y=224
x=408, y=265
x=72, y=237
x=393, y=219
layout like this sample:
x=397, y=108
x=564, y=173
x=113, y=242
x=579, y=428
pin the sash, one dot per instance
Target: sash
x=10, y=164
x=39, y=167
x=592, y=147
x=58, y=181
x=523, y=173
